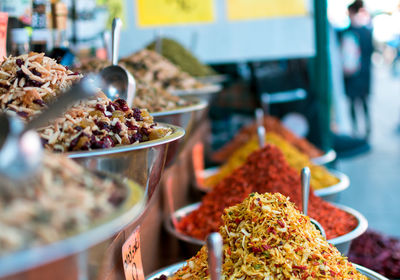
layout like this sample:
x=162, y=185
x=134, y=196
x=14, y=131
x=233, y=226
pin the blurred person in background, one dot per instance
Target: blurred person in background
x=357, y=49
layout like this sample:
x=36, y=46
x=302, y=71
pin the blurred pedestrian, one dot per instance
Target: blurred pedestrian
x=357, y=48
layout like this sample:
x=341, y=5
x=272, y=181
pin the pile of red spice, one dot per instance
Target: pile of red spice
x=265, y=170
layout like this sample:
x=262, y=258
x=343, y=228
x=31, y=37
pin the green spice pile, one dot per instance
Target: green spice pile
x=183, y=58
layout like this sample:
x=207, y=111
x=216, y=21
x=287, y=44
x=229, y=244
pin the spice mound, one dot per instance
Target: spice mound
x=99, y=124
x=378, y=252
x=62, y=199
x=321, y=178
x=266, y=237
x=28, y=82
x=157, y=99
x=271, y=124
x=183, y=58
x=265, y=170
x=158, y=71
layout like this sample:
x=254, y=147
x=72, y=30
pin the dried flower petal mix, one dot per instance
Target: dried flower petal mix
x=98, y=124
x=62, y=199
x=28, y=82
x=266, y=237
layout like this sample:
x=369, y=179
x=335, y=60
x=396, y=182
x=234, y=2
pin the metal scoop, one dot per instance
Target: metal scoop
x=305, y=189
x=214, y=246
x=259, y=114
x=20, y=147
x=118, y=82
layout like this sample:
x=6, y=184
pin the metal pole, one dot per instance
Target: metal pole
x=321, y=73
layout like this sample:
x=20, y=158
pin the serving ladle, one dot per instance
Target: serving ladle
x=259, y=114
x=214, y=246
x=305, y=189
x=118, y=82
x=20, y=146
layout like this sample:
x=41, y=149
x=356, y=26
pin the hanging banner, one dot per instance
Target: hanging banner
x=174, y=12
x=258, y=9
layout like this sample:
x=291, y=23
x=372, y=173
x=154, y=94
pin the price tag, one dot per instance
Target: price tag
x=3, y=34
x=256, y=9
x=132, y=258
x=172, y=12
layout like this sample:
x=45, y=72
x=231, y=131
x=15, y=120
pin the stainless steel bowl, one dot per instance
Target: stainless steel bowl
x=201, y=92
x=172, y=269
x=372, y=275
x=330, y=194
x=142, y=163
x=342, y=243
x=85, y=250
x=214, y=79
x=187, y=118
x=326, y=158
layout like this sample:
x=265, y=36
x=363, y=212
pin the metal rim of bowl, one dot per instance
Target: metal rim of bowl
x=372, y=275
x=213, y=79
x=172, y=269
x=328, y=157
x=199, y=105
x=81, y=241
x=182, y=212
x=177, y=133
x=359, y=229
x=207, y=89
x=343, y=184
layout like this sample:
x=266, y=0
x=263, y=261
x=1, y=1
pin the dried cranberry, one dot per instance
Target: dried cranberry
x=103, y=125
x=4, y=86
x=30, y=83
x=44, y=141
x=116, y=198
x=22, y=114
x=39, y=102
x=145, y=131
x=137, y=137
x=108, y=141
x=116, y=128
x=153, y=125
x=99, y=107
x=110, y=108
x=20, y=74
x=74, y=142
x=122, y=105
x=97, y=132
x=78, y=128
x=35, y=72
x=19, y=62
x=137, y=114
x=131, y=126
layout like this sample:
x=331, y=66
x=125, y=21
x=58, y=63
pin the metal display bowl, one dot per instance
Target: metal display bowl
x=172, y=269
x=326, y=158
x=214, y=79
x=342, y=243
x=142, y=163
x=330, y=194
x=185, y=117
x=200, y=92
x=82, y=247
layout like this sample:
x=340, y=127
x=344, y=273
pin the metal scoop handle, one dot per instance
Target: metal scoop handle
x=259, y=114
x=214, y=246
x=305, y=188
x=82, y=90
x=116, y=34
